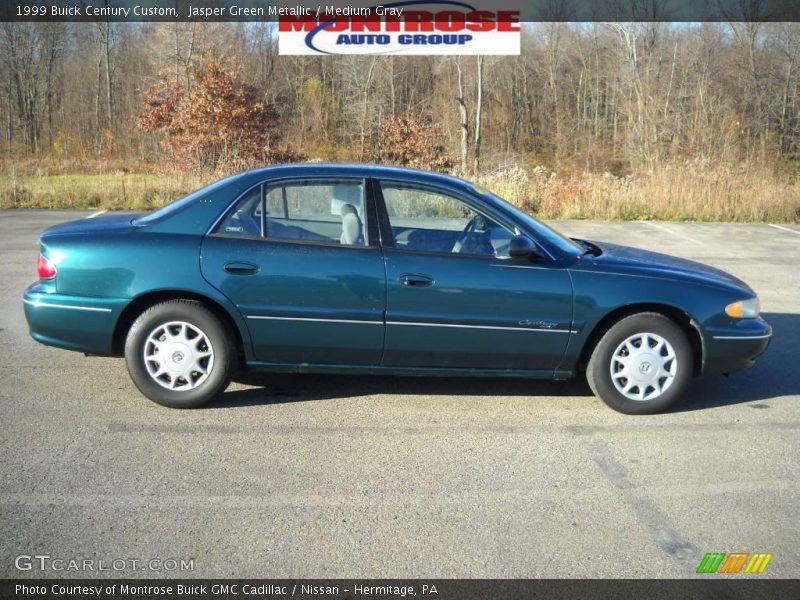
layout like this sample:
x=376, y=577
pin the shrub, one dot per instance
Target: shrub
x=221, y=124
x=414, y=141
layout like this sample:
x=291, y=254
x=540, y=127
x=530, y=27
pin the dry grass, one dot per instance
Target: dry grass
x=114, y=191
x=691, y=191
x=675, y=192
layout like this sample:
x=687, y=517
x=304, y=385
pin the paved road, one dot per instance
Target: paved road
x=391, y=477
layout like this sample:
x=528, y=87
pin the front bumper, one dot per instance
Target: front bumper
x=85, y=324
x=736, y=347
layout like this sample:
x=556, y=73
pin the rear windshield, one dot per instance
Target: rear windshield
x=178, y=205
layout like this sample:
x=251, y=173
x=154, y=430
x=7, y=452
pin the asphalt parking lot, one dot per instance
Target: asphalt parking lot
x=349, y=477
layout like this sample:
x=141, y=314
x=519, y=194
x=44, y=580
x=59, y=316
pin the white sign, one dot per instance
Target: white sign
x=401, y=29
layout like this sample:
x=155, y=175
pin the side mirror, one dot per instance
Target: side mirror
x=521, y=246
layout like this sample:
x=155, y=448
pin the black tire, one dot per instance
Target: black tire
x=598, y=371
x=196, y=316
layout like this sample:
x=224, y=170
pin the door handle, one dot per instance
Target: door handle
x=416, y=280
x=241, y=268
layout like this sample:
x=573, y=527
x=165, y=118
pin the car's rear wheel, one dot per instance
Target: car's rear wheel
x=641, y=365
x=179, y=354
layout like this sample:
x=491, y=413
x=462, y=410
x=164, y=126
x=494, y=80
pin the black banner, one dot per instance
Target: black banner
x=271, y=10
x=396, y=589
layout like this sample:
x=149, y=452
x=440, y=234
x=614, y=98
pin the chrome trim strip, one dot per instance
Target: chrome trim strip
x=315, y=320
x=742, y=337
x=479, y=327
x=48, y=304
x=504, y=266
x=413, y=324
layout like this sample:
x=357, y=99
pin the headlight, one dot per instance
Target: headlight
x=743, y=309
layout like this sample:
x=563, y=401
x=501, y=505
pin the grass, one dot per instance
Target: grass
x=690, y=191
x=674, y=192
x=113, y=191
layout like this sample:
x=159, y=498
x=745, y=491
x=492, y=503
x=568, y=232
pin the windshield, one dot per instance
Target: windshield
x=542, y=230
x=180, y=204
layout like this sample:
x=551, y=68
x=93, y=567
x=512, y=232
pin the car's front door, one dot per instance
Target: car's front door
x=297, y=260
x=455, y=297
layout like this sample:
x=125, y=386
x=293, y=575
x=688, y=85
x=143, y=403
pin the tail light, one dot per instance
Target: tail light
x=45, y=268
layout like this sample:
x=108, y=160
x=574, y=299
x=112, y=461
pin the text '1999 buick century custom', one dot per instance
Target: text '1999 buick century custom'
x=382, y=270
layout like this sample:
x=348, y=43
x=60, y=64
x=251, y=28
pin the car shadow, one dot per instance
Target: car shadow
x=280, y=388
x=773, y=376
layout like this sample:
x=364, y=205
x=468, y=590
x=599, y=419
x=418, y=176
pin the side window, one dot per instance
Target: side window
x=245, y=219
x=329, y=211
x=428, y=220
x=318, y=210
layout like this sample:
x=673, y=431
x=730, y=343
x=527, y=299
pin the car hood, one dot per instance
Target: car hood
x=625, y=259
x=117, y=222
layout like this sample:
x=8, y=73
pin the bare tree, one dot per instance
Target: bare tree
x=462, y=112
x=478, y=115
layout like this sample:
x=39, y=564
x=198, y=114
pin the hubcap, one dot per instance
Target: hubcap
x=178, y=356
x=643, y=366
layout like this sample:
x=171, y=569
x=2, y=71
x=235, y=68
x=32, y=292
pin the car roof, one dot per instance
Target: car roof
x=354, y=169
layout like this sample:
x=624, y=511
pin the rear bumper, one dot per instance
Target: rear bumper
x=735, y=348
x=83, y=324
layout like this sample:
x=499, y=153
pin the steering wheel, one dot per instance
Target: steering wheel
x=469, y=231
x=464, y=235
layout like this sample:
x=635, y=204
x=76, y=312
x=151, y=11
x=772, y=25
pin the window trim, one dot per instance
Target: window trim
x=263, y=201
x=371, y=233
x=387, y=236
x=256, y=238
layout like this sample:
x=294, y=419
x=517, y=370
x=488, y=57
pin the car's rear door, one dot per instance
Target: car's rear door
x=455, y=298
x=302, y=263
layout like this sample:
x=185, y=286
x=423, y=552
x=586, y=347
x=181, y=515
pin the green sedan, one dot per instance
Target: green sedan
x=319, y=268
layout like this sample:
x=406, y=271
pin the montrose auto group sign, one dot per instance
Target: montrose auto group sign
x=411, y=27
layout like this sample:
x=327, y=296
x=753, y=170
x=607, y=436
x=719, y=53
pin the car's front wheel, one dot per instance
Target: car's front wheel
x=642, y=365
x=179, y=354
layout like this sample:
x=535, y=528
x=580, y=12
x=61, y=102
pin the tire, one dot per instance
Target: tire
x=179, y=354
x=641, y=382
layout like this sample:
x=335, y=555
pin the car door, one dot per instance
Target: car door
x=298, y=259
x=454, y=296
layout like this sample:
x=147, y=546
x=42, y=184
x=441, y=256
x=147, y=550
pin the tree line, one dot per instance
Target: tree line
x=622, y=98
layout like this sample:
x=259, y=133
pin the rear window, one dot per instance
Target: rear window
x=317, y=210
x=178, y=205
